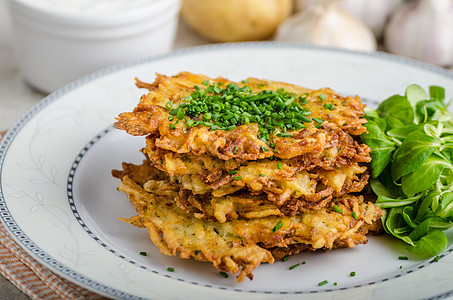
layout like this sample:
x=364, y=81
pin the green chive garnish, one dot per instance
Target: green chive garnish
x=277, y=226
x=223, y=274
x=237, y=178
x=352, y=274
x=169, y=269
x=354, y=215
x=323, y=283
x=281, y=134
x=169, y=105
x=143, y=253
x=226, y=106
x=318, y=120
x=322, y=97
x=264, y=149
x=279, y=165
x=294, y=266
x=172, y=126
x=235, y=150
x=436, y=259
x=180, y=114
x=337, y=209
x=285, y=258
x=232, y=172
x=403, y=258
x=329, y=106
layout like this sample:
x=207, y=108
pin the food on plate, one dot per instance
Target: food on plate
x=411, y=138
x=241, y=244
x=242, y=173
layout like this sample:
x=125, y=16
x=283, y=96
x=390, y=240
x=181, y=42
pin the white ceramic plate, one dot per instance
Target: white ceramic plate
x=60, y=203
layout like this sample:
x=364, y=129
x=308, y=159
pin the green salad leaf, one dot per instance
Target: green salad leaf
x=411, y=141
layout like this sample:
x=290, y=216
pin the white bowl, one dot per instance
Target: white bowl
x=56, y=44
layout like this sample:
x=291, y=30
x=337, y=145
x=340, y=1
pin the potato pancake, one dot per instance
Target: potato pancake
x=244, y=173
x=239, y=246
x=323, y=115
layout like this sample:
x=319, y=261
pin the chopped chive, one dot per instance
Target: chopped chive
x=229, y=128
x=170, y=269
x=285, y=258
x=180, y=114
x=354, y=215
x=281, y=134
x=322, y=97
x=403, y=258
x=227, y=106
x=324, y=282
x=279, y=165
x=294, y=266
x=262, y=175
x=436, y=259
x=172, y=126
x=235, y=150
x=337, y=209
x=318, y=120
x=237, y=177
x=264, y=149
x=329, y=106
x=277, y=226
x=335, y=283
x=223, y=274
x=352, y=274
x=232, y=172
x=170, y=118
x=401, y=267
x=169, y=105
x=143, y=253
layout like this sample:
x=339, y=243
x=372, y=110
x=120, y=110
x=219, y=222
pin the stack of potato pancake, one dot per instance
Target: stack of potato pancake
x=241, y=173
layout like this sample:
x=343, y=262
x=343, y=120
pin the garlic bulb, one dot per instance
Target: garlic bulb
x=374, y=13
x=423, y=30
x=325, y=24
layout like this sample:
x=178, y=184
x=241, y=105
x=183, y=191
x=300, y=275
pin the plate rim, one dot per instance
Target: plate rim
x=59, y=268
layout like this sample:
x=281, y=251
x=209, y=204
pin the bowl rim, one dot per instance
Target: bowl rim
x=133, y=15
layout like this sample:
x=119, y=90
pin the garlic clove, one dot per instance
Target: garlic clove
x=328, y=26
x=374, y=14
x=422, y=30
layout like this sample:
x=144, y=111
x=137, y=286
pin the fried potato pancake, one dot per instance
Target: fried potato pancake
x=151, y=117
x=240, y=246
x=346, y=152
x=223, y=208
x=243, y=182
x=279, y=180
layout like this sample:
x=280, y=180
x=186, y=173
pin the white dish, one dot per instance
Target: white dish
x=55, y=46
x=58, y=200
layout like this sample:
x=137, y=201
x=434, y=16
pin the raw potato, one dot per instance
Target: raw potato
x=235, y=20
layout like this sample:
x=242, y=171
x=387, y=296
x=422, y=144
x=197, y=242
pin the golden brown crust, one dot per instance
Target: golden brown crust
x=229, y=198
x=282, y=183
x=240, y=246
x=151, y=118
